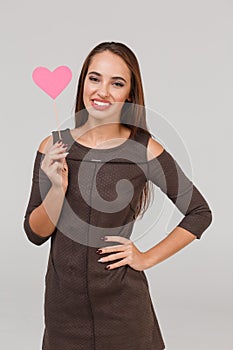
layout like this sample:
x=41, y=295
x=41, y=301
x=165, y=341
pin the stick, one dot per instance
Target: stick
x=57, y=119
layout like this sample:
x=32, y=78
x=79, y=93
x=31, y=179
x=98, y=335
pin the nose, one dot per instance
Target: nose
x=103, y=91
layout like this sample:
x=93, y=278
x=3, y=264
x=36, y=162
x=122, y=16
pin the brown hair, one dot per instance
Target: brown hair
x=133, y=109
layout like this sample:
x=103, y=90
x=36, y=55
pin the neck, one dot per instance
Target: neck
x=99, y=132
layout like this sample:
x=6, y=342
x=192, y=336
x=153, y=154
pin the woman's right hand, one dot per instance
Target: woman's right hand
x=55, y=166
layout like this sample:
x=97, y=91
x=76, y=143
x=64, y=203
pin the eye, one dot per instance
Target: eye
x=93, y=79
x=119, y=84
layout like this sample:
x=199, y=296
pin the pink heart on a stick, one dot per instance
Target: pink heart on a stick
x=53, y=83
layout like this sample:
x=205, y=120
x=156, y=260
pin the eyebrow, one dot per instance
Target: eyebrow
x=93, y=72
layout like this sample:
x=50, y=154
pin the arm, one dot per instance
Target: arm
x=44, y=218
x=175, y=241
x=45, y=202
x=165, y=172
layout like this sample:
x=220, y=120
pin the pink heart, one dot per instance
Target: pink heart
x=53, y=83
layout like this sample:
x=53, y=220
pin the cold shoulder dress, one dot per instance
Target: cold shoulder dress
x=87, y=307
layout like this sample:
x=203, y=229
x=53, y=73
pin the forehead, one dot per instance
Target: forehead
x=108, y=63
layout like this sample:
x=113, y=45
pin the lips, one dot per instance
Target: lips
x=101, y=101
x=100, y=105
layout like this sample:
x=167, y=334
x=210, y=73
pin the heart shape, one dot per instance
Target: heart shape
x=53, y=83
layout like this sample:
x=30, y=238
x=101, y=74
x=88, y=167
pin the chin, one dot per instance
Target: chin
x=98, y=114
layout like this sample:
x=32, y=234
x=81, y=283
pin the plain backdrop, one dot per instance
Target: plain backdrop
x=185, y=53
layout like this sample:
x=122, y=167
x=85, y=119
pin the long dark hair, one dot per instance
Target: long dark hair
x=133, y=109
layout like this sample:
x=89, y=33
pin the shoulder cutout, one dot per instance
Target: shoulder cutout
x=46, y=144
x=154, y=149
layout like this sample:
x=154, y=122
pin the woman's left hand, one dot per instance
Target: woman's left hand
x=126, y=250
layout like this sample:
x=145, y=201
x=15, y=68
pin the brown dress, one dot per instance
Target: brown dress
x=87, y=307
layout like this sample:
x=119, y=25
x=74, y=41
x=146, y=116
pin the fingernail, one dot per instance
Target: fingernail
x=107, y=267
x=99, y=251
x=59, y=141
x=100, y=260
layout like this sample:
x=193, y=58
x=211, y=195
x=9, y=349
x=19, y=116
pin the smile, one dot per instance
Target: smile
x=100, y=105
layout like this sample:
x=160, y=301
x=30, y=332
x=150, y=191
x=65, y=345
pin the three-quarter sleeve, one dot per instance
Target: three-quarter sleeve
x=165, y=172
x=39, y=188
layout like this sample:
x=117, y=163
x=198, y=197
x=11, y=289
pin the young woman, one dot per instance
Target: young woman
x=97, y=190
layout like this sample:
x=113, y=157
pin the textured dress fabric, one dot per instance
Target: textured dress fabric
x=87, y=307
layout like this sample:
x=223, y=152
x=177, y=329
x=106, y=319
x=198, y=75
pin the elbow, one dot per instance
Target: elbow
x=197, y=222
x=31, y=235
x=205, y=222
x=209, y=218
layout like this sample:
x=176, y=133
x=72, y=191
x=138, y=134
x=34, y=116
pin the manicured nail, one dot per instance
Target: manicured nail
x=100, y=260
x=107, y=267
x=99, y=251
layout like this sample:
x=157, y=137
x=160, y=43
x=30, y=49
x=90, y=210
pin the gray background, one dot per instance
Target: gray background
x=185, y=53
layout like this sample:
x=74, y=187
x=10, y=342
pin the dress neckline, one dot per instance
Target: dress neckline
x=75, y=142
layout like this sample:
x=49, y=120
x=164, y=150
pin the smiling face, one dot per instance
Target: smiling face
x=106, y=86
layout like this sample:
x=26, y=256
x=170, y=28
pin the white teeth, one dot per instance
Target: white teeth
x=101, y=103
